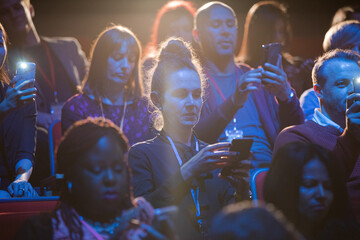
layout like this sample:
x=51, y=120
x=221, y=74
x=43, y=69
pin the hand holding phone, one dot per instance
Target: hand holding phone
x=25, y=71
x=242, y=146
x=271, y=53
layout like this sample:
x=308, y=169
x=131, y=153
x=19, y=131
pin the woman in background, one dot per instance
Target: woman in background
x=113, y=88
x=308, y=186
x=268, y=22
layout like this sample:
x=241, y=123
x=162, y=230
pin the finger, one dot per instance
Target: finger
x=217, y=146
x=22, y=83
x=28, y=97
x=28, y=91
x=273, y=68
x=11, y=189
x=279, y=62
x=267, y=82
x=354, y=108
x=274, y=76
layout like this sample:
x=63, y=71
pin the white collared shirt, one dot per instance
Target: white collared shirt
x=324, y=121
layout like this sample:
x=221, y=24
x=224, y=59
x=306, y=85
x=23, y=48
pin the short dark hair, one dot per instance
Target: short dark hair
x=247, y=221
x=320, y=63
x=283, y=180
x=108, y=41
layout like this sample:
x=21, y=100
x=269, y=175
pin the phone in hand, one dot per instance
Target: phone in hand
x=271, y=53
x=242, y=146
x=26, y=71
x=356, y=84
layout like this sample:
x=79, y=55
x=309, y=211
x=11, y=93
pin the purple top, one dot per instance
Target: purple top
x=137, y=121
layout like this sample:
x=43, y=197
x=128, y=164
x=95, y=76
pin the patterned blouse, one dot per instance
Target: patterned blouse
x=137, y=124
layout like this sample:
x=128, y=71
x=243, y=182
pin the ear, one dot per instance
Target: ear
x=195, y=34
x=318, y=91
x=155, y=98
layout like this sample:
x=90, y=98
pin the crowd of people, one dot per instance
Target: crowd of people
x=147, y=149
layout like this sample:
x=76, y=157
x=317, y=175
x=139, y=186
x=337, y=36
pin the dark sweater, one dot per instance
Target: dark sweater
x=342, y=145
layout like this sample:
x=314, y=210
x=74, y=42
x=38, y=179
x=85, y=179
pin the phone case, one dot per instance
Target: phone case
x=271, y=53
x=25, y=71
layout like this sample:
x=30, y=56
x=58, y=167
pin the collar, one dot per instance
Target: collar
x=324, y=121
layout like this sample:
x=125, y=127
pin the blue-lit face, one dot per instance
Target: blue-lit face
x=181, y=27
x=100, y=179
x=340, y=75
x=218, y=35
x=315, y=192
x=121, y=64
x=182, y=101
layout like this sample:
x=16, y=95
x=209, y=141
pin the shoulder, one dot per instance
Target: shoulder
x=64, y=41
x=243, y=67
x=78, y=101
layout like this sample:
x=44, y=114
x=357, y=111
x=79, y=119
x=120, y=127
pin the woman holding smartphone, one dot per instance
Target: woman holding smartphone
x=176, y=168
x=17, y=131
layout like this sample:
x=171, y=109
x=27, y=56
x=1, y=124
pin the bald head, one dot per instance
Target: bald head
x=204, y=11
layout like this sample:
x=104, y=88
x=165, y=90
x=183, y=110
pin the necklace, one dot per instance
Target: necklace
x=123, y=116
x=104, y=228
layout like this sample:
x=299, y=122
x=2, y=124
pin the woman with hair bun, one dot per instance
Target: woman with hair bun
x=176, y=168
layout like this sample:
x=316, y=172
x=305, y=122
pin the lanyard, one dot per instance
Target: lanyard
x=52, y=81
x=122, y=118
x=217, y=87
x=194, y=196
x=96, y=235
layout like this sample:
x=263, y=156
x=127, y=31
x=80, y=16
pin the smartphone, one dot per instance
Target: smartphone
x=26, y=71
x=271, y=53
x=242, y=146
x=356, y=84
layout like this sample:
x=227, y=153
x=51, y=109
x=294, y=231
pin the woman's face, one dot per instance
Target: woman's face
x=315, y=193
x=120, y=64
x=181, y=102
x=279, y=31
x=2, y=49
x=100, y=180
x=181, y=27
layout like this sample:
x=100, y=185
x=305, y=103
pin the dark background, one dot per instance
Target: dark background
x=84, y=19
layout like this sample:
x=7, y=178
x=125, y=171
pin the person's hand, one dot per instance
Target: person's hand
x=207, y=159
x=353, y=115
x=239, y=178
x=21, y=188
x=248, y=83
x=135, y=234
x=147, y=212
x=274, y=79
x=18, y=95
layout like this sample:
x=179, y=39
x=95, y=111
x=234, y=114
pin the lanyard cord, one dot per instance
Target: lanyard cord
x=122, y=118
x=194, y=196
x=217, y=87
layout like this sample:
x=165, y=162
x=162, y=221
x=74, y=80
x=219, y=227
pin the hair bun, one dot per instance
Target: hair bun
x=175, y=47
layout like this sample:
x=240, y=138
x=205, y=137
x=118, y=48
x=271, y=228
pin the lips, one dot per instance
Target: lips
x=225, y=43
x=110, y=195
x=319, y=208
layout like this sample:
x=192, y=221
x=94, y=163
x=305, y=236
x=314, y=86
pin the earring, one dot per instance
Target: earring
x=160, y=108
x=69, y=186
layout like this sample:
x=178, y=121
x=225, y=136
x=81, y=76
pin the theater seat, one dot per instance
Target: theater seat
x=256, y=183
x=16, y=210
x=55, y=135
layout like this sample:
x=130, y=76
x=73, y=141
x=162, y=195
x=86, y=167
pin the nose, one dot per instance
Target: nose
x=351, y=88
x=190, y=101
x=109, y=178
x=225, y=31
x=125, y=63
x=320, y=193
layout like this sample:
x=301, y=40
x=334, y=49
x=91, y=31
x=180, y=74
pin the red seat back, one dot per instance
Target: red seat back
x=15, y=211
x=55, y=135
x=257, y=183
